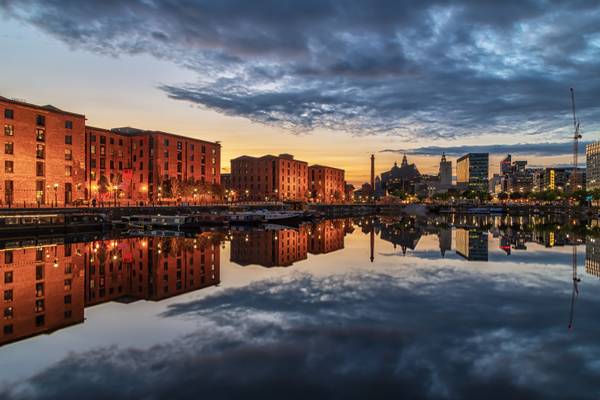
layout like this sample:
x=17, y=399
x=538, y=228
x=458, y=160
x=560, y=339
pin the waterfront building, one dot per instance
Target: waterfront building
x=445, y=173
x=279, y=178
x=506, y=165
x=52, y=158
x=402, y=178
x=169, y=167
x=518, y=178
x=108, y=160
x=44, y=155
x=472, y=171
x=560, y=179
x=592, y=158
x=349, y=191
x=326, y=184
x=472, y=244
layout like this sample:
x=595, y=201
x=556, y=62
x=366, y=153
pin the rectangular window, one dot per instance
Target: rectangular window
x=68, y=170
x=40, y=151
x=67, y=285
x=9, y=114
x=8, y=257
x=179, y=146
x=93, y=138
x=102, y=150
x=112, y=140
x=68, y=139
x=68, y=154
x=68, y=299
x=39, y=289
x=166, y=142
x=8, y=295
x=9, y=130
x=9, y=167
x=40, y=135
x=40, y=320
x=93, y=163
x=120, y=165
x=102, y=139
x=8, y=313
x=39, y=168
x=120, y=142
x=141, y=178
x=112, y=164
x=141, y=165
x=102, y=163
x=203, y=149
x=39, y=305
x=166, y=166
x=69, y=124
x=93, y=149
x=8, y=277
x=166, y=154
x=93, y=175
x=8, y=329
x=40, y=120
x=9, y=148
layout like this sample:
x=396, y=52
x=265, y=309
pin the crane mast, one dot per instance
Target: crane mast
x=576, y=137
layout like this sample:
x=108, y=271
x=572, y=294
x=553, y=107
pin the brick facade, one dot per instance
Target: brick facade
x=268, y=178
x=51, y=158
x=43, y=155
x=326, y=184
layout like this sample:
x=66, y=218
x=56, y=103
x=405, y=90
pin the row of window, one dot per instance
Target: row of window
x=40, y=120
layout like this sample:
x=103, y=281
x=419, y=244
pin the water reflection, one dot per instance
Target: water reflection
x=452, y=307
x=46, y=288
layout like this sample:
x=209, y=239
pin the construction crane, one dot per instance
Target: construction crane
x=576, y=137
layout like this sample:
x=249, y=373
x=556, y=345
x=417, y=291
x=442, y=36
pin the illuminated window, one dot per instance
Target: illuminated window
x=39, y=289
x=8, y=277
x=40, y=151
x=9, y=130
x=67, y=285
x=8, y=313
x=102, y=150
x=40, y=135
x=9, y=167
x=68, y=154
x=9, y=148
x=93, y=149
x=68, y=170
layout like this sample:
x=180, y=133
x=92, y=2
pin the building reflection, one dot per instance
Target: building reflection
x=592, y=256
x=47, y=287
x=405, y=233
x=282, y=246
x=472, y=244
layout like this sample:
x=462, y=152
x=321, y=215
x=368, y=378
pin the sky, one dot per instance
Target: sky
x=328, y=81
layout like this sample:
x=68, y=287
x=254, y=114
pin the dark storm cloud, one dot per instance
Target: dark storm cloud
x=433, y=68
x=534, y=149
x=438, y=333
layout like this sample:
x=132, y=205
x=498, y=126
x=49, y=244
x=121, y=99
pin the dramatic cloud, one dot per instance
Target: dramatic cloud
x=535, y=149
x=420, y=333
x=432, y=68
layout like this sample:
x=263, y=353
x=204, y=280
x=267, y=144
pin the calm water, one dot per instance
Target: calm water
x=461, y=308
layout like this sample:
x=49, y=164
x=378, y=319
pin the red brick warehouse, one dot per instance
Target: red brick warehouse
x=44, y=155
x=51, y=158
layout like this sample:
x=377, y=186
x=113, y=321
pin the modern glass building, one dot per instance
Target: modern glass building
x=472, y=171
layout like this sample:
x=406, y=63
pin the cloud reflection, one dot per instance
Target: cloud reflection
x=425, y=333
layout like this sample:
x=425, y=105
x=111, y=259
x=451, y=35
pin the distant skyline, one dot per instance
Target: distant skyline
x=328, y=81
